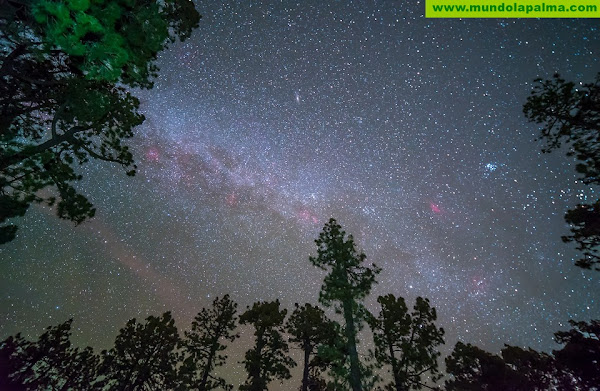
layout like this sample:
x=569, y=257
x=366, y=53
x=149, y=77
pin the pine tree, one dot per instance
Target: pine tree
x=581, y=353
x=51, y=362
x=310, y=329
x=406, y=341
x=269, y=359
x=347, y=283
x=203, y=346
x=144, y=356
x=541, y=370
x=474, y=369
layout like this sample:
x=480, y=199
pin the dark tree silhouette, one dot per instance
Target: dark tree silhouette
x=347, y=283
x=82, y=372
x=581, y=353
x=65, y=69
x=519, y=369
x=11, y=361
x=203, y=346
x=540, y=369
x=315, y=381
x=407, y=342
x=144, y=356
x=585, y=229
x=310, y=328
x=473, y=369
x=570, y=115
x=50, y=363
x=269, y=359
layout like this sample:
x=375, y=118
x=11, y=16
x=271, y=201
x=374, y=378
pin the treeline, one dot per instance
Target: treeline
x=153, y=355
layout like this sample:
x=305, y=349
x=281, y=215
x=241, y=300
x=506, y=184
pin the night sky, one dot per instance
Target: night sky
x=275, y=117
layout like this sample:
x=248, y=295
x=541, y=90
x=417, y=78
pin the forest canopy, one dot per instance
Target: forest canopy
x=65, y=77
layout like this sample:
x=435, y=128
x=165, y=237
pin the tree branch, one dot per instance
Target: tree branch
x=46, y=83
x=29, y=151
x=422, y=372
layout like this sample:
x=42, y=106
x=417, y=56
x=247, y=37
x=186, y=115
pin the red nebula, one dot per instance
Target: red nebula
x=231, y=199
x=152, y=154
x=307, y=216
x=434, y=208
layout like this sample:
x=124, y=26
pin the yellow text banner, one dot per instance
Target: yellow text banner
x=512, y=9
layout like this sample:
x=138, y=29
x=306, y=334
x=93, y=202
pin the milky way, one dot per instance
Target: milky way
x=273, y=118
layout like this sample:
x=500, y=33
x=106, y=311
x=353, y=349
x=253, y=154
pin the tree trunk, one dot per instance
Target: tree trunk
x=352, y=352
x=207, y=367
x=255, y=369
x=307, y=349
x=395, y=370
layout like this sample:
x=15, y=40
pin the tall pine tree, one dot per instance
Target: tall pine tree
x=203, y=346
x=268, y=359
x=346, y=285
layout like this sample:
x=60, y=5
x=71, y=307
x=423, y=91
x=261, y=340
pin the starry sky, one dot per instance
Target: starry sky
x=276, y=116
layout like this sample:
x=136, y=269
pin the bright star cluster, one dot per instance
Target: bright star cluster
x=273, y=118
